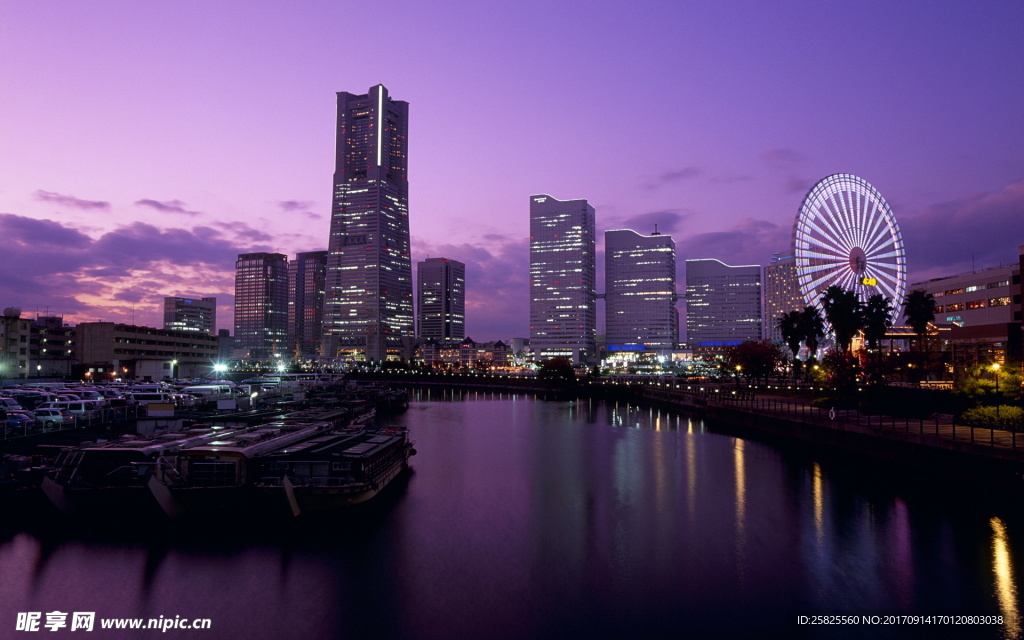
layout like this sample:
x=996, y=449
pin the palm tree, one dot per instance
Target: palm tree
x=812, y=328
x=792, y=333
x=877, y=315
x=844, y=312
x=919, y=312
x=877, y=319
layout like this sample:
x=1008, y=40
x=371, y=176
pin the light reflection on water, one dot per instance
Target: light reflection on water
x=531, y=519
x=1006, y=588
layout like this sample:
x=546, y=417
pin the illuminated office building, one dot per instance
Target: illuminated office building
x=723, y=304
x=640, y=288
x=781, y=293
x=563, y=318
x=441, y=299
x=190, y=314
x=306, y=279
x=368, y=308
x=261, y=305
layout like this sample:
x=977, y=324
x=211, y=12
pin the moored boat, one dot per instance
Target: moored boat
x=335, y=470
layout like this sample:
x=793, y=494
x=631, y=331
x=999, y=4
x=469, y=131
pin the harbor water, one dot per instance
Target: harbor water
x=526, y=518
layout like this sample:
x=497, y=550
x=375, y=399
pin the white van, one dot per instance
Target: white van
x=150, y=397
x=81, y=409
x=211, y=392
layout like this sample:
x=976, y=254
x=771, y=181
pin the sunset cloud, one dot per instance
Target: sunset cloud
x=71, y=201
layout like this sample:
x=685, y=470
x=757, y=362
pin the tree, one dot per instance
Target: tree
x=755, y=358
x=791, y=327
x=877, y=316
x=812, y=327
x=919, y=312
x=557, y=372
x=844, y=312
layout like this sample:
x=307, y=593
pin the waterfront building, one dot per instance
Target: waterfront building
x=106, y=350
x=781, y=293
x=441, y=299
x=454, y=354
x=983, y=312
x=640, y=292
x=723, y=304
x=307, y=276
x=368, y=309
x=563, y=314
x=261, y=305
x=190, y=314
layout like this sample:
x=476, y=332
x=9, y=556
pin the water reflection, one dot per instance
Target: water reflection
x=531, y=519
x=818, y=494
x=741, y=508
x=1006, y=589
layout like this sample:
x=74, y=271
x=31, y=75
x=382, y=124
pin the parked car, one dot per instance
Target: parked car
x=25, y=412
x=50, y=418
x=17, y=422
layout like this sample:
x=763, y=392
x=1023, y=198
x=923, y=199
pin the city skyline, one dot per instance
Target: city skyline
x=112, y=198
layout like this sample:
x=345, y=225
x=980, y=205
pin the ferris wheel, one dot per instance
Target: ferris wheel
x=846, y=235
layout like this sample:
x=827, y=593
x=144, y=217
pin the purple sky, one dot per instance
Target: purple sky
x=146, y=144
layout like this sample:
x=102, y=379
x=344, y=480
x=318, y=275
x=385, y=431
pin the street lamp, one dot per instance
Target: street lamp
x=995, y=370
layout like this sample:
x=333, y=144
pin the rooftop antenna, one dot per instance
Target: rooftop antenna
x=655, y=230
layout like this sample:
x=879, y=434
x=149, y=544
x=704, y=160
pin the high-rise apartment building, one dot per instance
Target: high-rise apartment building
x=368, y=306
x=723, y=304
x=563, y=317
x=640, y=290
x=261, y=305
x=307, y=275
x=781, y=293
x=441, y=299
x=190, y=314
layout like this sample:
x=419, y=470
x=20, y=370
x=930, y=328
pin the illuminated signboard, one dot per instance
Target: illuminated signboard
x=871, y=282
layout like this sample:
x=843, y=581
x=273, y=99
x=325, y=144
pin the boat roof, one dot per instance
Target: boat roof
x=155, y=444
x=261, y=440
x=358, y=444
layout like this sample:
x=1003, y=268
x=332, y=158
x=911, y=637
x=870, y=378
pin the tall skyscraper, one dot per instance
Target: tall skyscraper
x=368, y=306
x=640, y=288
x=781, y=293
x=563, y=317
x=307, y=276
x=723, y=304
x=261, y=304
x=191, y=314
x=441, y=300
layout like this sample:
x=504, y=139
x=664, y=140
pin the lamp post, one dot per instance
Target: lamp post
x=995, y=370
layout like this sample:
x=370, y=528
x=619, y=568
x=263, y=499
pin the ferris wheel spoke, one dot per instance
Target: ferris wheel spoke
x=838, y=208
x=826, y=278
x=849, y=229
x=877, y=230
x=822, y=267
x=881, y=239
x=822, y=242
x=830, y=232
x=876, y=257
x=864, y=217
